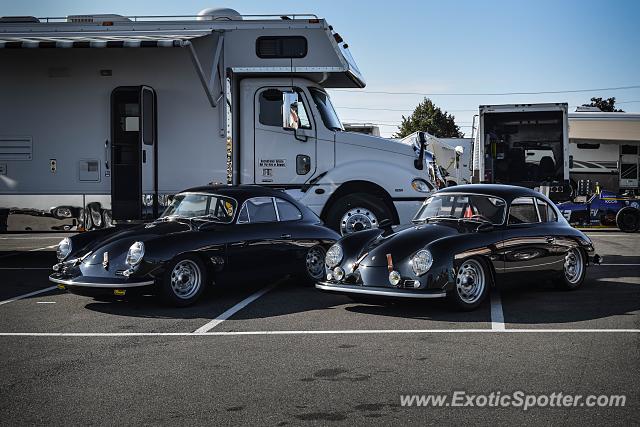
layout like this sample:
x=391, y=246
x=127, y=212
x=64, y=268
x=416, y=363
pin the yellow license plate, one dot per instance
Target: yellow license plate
x=119, y=292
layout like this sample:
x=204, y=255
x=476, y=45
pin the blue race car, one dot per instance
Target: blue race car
x=605, y=208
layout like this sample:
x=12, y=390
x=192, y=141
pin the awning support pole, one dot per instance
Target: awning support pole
x=207, y=86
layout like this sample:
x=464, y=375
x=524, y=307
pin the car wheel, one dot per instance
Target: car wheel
x=314, y=264
x=357, y=212
x=471, y=286
x=574, y=270
x=628, y=219
x=183, y=281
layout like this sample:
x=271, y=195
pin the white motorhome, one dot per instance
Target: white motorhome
x=605, y=148
x=451, y=155
x=524, y=144
x=104, y=117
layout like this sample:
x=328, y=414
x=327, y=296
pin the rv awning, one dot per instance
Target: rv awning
x=139, y=39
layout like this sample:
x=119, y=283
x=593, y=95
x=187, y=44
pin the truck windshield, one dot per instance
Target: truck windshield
x=327, y=112
x=462, y=206
x=200, y=205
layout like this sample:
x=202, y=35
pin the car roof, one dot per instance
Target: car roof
x=239, y=192
x=506, y=192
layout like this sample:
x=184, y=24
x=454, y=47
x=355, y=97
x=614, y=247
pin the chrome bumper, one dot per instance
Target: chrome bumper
x=391, y=292
x=88, y=284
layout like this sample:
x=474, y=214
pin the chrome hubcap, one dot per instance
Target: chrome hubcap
x=315, y=262
x=186, y=279
x=470, y=281
x=573, y=266
x=357, y=219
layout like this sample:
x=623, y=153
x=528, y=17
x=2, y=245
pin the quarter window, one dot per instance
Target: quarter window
x=547, y=214
x=523, y=211
x=287, y=211
x=258, y=209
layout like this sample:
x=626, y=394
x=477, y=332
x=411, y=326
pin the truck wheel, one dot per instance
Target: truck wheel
x=628, y=219
x=357, y=212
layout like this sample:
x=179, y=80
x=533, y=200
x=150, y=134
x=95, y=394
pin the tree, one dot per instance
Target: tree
x=608, y=104
x=428, y=118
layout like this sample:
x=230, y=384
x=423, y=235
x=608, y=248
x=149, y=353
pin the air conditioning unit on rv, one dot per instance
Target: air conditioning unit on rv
x=97, y=19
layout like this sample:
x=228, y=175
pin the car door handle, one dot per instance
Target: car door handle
x=285, y=236
x=551, y=239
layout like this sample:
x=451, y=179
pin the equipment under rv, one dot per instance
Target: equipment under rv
x=105, y=117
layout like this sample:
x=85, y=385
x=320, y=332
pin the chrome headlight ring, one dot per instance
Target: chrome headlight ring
x=421, y=262
x=64, y=249
x=135, y=254
x=333, y=256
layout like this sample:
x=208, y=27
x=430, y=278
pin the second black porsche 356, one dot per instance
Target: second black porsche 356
x=211, y=233
x=464, y=239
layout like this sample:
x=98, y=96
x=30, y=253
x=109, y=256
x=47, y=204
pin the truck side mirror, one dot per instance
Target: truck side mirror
x=422, y=141
x=570, y=162
x=290, y=110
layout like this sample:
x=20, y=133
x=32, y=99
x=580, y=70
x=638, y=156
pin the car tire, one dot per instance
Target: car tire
x=184, y=281
x=628, y=219
x=314, y=269
x=573, y=271
x=356, y=212
x=471, y=286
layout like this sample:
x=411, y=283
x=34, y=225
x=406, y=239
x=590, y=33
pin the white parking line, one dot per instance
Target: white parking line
x=25, y=268
x=30, y=294
x=29, y=250
x=336, y=332
x=497, y=315
x=233, y=310
x=630, y=265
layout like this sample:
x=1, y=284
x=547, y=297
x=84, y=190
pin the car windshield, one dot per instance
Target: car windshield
x=327, y=112
x=201, y=205
x=462, y=206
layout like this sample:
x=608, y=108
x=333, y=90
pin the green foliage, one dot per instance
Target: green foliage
x=428, y=118
x=608, y=104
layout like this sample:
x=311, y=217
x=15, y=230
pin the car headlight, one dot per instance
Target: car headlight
x=64, y=248
x=421, y=262
x=334, y=256
x=135, y=254
x=421, y=186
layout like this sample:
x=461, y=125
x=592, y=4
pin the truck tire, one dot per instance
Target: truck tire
x=628, y=219
x=357, y=212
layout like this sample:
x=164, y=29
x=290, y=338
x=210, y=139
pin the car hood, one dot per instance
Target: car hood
x=404, y=243
x=117, y=245
x=375, y=142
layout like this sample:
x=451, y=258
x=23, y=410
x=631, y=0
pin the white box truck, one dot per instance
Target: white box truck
x=104, y=117
x=524, y=144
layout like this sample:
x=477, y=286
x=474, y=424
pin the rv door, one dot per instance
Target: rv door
x=133, y=153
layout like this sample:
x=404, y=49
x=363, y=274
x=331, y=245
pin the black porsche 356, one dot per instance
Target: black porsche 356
x=211, y=233
x=464, y=239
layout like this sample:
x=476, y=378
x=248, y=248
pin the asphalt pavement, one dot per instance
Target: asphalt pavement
x=285, y=354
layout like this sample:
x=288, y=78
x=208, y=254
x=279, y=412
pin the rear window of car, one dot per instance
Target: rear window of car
x=287, y=211
x=523, y=211
x=258, y=209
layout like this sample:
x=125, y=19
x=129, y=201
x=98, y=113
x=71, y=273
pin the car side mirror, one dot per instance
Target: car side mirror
x=290, y=110
x=385, y=225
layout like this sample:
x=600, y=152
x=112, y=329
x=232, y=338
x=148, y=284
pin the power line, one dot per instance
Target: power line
x=490, y=93
x=401, y=110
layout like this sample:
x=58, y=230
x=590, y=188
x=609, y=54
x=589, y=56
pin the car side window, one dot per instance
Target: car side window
x=523, y=211
x=258, y=209
x=270, y=114
x=287, y=211
x=547, y=214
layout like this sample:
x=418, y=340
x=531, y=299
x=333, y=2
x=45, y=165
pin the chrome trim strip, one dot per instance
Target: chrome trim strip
x=535, y=266
x=363, y=290
x=101, y=285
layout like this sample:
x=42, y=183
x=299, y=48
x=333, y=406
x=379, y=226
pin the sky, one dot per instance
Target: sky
x=446, y=48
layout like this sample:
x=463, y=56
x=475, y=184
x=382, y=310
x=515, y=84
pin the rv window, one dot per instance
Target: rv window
x=629, y=149
x=281, y=47
x=586, y=146
x=147, y=118
x=270, y=113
